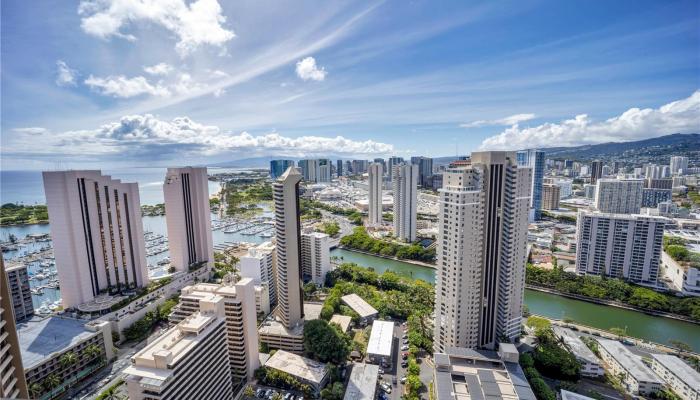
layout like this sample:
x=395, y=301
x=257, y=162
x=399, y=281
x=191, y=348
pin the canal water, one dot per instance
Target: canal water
x=639, y=325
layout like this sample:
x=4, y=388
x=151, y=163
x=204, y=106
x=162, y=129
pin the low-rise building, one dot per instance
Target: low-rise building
x=683, y=276
x=343, y=321
x=366, y=312
x=20, y=292
x=45, y=342
x=679, y=376
x=566, y=395
x=464, y=374
x=590, y=364
x=362, y=384
x=188, y=362
x=380, y=346
x=306, y=371
x=275, y=335
x=637, y=378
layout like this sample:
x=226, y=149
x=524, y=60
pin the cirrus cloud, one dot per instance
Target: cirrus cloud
x=681, y=116
x=197, y=23
x=159, y=69
x=307, y=70
x=508, y=121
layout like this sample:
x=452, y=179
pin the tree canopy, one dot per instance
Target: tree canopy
x=325, y=342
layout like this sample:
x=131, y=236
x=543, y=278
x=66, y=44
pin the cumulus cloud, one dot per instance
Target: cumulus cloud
x=32, y=131
x=139, y=136
x=65, y=76
x=123, y=87
x=197, y=23
x=507, y=121
x=159, y=69
x=681, y=116
x=307, y=70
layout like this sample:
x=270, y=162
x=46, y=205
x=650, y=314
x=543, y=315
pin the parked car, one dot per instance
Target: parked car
x=404, y=356
x=260, y=393
x=403, y=379
x=385, y=387
x=381, y=371
x=404, y=347
x=404, y=363
x=393, y=380
x=288, y=396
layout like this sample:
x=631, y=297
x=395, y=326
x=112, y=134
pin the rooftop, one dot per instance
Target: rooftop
x=576, y=345
x=342, y=320
x=271, y=326
x=298, y=366
x=679, y=368
x=381, y=338
x=566, y=395
x=358, y=305
x=362, y=383
x=40, y=338
x=633, y=364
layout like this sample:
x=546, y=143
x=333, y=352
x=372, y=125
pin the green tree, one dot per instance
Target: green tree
x=681, y=346
x=309, y=289
x=35, y=390
x=249, y=392
x=619, y=332
x=333, y=392
x=51, y=382
x=68, y=359
x=325, y=342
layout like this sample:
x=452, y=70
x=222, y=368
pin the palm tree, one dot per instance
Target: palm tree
x=249, y=392
x=52, y=381
x=277, y=396
x=93, y=352
x=35, y=390
x=111, y=394
x=68, y=360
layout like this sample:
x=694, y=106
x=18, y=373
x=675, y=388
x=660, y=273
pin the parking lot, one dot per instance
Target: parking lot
x=392, y=375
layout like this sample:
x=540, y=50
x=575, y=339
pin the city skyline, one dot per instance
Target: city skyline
x=323, y=83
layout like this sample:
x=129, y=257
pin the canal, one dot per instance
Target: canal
x=639, y=325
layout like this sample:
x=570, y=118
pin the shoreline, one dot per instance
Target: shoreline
x=26, y=224
x=414, y=262
x=612, y=303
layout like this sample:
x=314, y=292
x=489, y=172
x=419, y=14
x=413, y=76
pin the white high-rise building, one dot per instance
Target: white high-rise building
x=315, y=256
x=679, y=165
x=188, y=217
x=375, y=182
x=285, y=193
x=324, y=173
x=619, y=245
x=189, y=361
x=241, y=320
x=404, y=180
x=481, y=252
x=97, y=234
x=13, y=384
x=619, y=196
x=259, y=265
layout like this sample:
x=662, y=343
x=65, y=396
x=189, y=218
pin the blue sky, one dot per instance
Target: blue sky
x=107, y=84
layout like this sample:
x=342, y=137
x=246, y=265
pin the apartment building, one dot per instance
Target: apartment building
x=315, y=257
x=375, y=182
x=285, y=193
x=238, y=300
x=481, y=252
x=678, y=375
x=309, y=170
x=277, y=167
x=678, y=165
x=590, y=365
x=619, y=245
x=260, y=265
x=188, y=217
x=533, y=159
x=20, y=292
x=596, y=171
x=636, y=377
x=12, y=381
x=619, y=196
x=404, y=180
x=188, y=362
x=97, y=235
x=652, y=197
x=550, y=196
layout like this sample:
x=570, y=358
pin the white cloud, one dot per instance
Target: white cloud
x=307, y=70
x=197, y=23
x=65, y=76
x=507, y=121
x=123, y=87
x=32, y=131
x=159, y=69
x=219, y=92
x=682, y=116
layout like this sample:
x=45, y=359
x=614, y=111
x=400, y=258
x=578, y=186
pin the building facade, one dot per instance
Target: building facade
x=285, y=193
x=550, y=196
x=404, y=180
x=534, y=159
x=97, y=234
x=188, y=217
x=20, y=292
x=13, y=384
x=620, y=246
x=315, y=257
x=678, y=165
x=596, y=171
x=481, y=252
x=619, y=196
x=309, y=168
x=652, y=197
x=375, y=182
x=277, y=167
x=678, y=375
x=260, y=265
x=636, y=377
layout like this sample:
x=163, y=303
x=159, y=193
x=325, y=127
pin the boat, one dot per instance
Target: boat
x=266, y=235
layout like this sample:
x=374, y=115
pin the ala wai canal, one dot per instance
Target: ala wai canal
x=639, y=325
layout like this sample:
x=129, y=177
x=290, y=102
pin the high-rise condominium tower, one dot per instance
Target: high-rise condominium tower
x=309, y=170
x=481, y=252
x=285, y=192
x=97, y=234
x=678, y=165
x=534, y=159
x=596, y=171
x=404, y=179
x=376, y=172
x=315, y=256
x=277, y=167
x=14, y=384
x=394, y=161
x=619, y=196
x=187, y=215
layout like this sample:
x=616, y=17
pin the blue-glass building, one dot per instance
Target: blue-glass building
x=277, y=167
x=535, y=160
